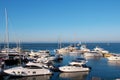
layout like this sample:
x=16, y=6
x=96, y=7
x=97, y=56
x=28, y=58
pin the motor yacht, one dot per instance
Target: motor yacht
x=92, y=54
x=84, y=49
x=79, y=61
x=113, y=57
x=30, y=69
x=66, y=50
x=40, y=53
x=77, y=65
x=101, y=50
x=74, y=68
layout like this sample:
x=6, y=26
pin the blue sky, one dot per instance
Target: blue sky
x=68, y=20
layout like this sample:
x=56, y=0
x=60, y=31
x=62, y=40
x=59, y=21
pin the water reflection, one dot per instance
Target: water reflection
x=93, y=57
x=44, y=77
x=74, y=76
x=114, y=63
x=96, y=78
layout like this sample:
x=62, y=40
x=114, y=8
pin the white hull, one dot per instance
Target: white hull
x=41, y=53
x=30, y=69
x=113, y=58
x=77, y=63
x=101, y=50
x=65, y=50
x=20, y=71
x=73, y=69
x=92, y=54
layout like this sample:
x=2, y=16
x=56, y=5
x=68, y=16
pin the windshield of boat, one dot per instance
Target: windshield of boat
x=32, y=67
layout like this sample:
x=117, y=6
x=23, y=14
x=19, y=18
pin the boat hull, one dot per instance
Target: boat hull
x=20, y=71
x=73, y=69
x=92, y=54
x=113, y=58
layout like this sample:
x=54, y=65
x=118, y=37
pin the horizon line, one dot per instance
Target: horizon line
x=65, y=42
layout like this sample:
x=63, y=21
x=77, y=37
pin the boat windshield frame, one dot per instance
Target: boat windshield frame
x=32, y=67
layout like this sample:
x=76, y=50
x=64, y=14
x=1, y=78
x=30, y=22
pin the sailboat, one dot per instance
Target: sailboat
x=4, y=51
x=11, y=56
x=2, y=57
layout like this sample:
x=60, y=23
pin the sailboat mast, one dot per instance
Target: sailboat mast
x=6, y=34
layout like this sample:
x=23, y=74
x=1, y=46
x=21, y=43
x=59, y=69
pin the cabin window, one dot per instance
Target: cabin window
x=22, y=72
x=26, y=66
x=32, y=67
x=18, y=72
x=35, y=67
x=34, y=72
x=13, y=72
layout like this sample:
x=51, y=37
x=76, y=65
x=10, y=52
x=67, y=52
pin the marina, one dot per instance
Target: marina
x=59, y=40
x=101, y=67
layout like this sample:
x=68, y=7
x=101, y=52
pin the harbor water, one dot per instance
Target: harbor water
x=101, y=68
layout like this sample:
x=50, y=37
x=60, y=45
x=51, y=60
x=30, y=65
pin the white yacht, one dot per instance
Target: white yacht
x=101, y=50
x=30, y=69
x=9, y=50
x=84, y=49
x=79, y=61
x=62, y=50
x=40, y=53
x=66, y=49
x=73, y=68
x=113, y=58
x=92, y=54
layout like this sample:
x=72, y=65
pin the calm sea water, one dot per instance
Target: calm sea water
x=101, y=68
